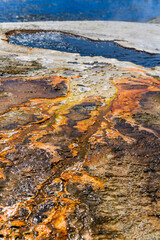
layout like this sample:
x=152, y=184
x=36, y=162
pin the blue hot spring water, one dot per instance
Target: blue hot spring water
x=85, y=47
x=44, y=10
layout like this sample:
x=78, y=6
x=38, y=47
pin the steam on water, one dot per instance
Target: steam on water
x=42, y=10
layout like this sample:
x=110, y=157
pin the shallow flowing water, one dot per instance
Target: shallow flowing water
x=62, y=42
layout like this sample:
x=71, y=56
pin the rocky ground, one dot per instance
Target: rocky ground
x=154, y=20
x=80, y=140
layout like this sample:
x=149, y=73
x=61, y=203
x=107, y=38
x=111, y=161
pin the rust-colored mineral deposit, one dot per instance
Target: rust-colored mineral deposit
x=80, y=163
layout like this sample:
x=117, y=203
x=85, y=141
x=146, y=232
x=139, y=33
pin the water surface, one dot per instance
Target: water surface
x=37, y=10
x=62, y=42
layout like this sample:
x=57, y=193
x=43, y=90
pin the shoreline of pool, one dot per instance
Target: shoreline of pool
x=139, y=36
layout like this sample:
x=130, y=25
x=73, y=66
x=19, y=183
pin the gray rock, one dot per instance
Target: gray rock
x=154, y=20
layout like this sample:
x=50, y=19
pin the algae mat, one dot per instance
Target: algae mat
x=79, y=148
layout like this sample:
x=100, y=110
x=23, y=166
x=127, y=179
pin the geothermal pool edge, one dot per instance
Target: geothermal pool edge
x=140, y=36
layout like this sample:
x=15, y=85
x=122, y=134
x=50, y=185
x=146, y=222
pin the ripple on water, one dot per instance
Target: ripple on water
x=44, y=10
x=85, y=47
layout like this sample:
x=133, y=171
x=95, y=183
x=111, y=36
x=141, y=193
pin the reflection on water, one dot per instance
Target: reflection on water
x=35, y=10
x=61, y=42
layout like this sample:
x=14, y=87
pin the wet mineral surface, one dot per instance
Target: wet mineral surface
x=85, y=47
x=79, y=153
